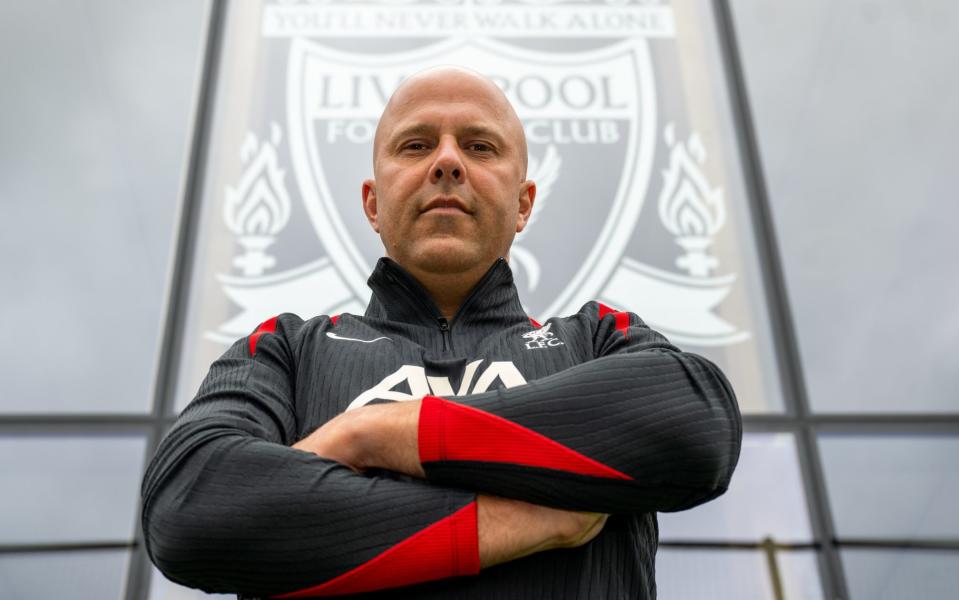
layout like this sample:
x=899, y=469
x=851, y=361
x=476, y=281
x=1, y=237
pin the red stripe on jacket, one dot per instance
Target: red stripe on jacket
x=268, y=326
x=451, y=431
x=622, y=318
x=447, y=548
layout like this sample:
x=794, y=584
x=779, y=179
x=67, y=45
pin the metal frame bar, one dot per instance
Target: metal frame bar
x=79, y=421
x=879, y=543
x=178, y=287
x=733, y=545
x=919, y=421
x=772, y=563
x=831, y=570
x=890, y=544
x=65, y=547
x=81, y=425
x=909, y=425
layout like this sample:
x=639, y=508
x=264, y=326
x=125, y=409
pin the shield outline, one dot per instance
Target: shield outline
x=621, y=219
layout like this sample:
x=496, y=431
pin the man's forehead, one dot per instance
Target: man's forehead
x=434, y=115
x=429, y=98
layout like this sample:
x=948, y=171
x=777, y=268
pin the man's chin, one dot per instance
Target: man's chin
x=447, y=257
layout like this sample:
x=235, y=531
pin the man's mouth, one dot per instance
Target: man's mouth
x=446, y=204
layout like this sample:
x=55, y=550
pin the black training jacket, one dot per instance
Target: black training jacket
x=593, y=412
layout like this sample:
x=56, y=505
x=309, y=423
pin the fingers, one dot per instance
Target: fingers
x=590, y=526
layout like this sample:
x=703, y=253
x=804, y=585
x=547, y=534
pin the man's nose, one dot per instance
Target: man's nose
x=448, y=163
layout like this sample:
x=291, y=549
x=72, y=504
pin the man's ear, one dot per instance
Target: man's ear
x=527, y=196
x=369, y=204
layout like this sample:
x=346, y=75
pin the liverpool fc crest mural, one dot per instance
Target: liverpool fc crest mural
x=640, y=198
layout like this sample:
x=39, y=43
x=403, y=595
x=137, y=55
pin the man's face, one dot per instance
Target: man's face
x=449, y=192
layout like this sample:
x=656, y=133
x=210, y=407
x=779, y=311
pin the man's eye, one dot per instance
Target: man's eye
x=415, y=146
x=480, y=147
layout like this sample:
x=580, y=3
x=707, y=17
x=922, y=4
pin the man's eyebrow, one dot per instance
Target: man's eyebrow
x=413, y=130
x=426, y=129
x=496, y=136
x=482, y=131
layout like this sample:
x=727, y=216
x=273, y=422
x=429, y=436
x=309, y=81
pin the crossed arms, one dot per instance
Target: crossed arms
x=229, y=505
x=385, y=436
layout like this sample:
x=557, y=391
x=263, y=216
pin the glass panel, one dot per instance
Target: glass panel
x=162, y=588
x=69, y=489
x=799, y=574
x=712, y=574
x=862, y=185
x=625, y=107
x=895, y=574
x=892, y=486
x=93, y=150
x=700, y=574
x=765, y=499
x=80, y=575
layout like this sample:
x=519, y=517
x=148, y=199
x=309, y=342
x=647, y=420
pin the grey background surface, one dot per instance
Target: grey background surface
x=94, y=118
x=856, y=106
x=856, y=111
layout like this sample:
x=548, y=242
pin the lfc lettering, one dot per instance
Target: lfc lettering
x=569, y=92
x=572, y=131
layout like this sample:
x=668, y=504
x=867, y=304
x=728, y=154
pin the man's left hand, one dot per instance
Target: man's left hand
x=380, y=435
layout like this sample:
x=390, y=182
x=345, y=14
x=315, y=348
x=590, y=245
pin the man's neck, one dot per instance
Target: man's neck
x=449, y=290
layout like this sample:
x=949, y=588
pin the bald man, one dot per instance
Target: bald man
x=443, y=444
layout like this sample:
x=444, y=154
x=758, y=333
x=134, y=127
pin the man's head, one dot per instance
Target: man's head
x=449, y=191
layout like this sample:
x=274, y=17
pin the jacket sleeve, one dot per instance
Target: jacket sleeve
x=642, y=427
x=228, y=506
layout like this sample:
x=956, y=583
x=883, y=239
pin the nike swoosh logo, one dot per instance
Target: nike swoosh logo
x=332, y=335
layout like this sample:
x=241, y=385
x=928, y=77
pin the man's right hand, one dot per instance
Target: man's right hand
x=510, y=529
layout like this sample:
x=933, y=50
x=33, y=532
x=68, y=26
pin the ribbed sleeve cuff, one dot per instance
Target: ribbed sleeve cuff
x=466, y=541
x=431, y=428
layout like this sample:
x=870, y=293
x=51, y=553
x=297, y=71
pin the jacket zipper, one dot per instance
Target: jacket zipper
x=445, y=330
x=443, y=322
x=476, y=291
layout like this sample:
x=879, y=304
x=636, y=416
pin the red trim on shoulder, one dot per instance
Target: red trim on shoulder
x=535, y=323
x=334, y=319
x=447, y=548
x=451, y=431
x=268, y=326
x=622, y=318
x=605, y=310
x=622, y=323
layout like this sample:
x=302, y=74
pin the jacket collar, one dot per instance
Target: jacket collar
x=397, y=296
